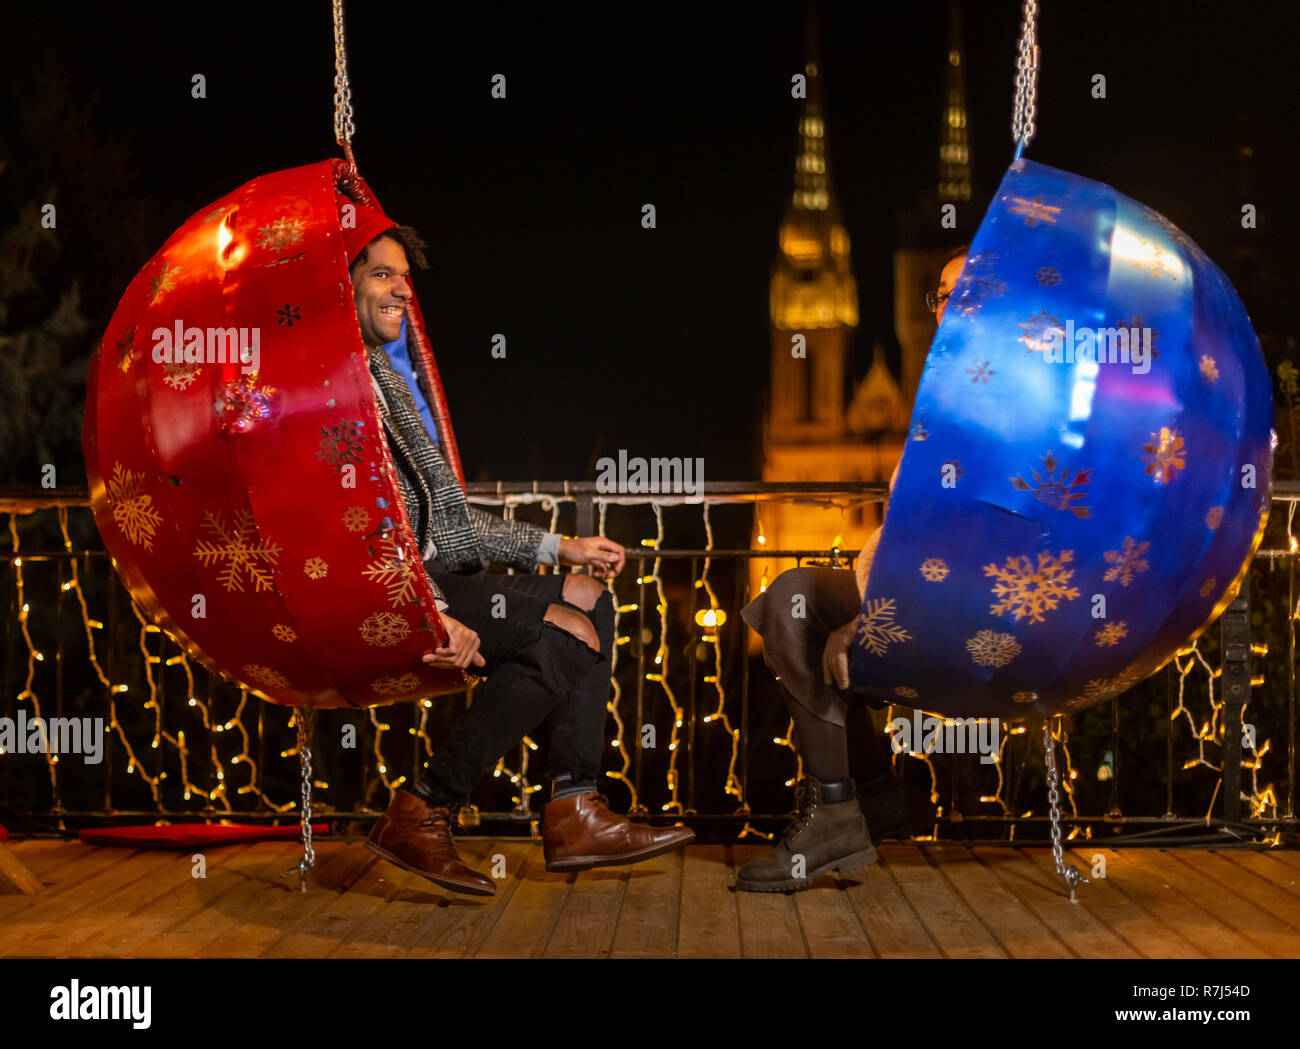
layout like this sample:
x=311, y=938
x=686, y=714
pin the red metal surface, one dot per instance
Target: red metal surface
x=254, y=515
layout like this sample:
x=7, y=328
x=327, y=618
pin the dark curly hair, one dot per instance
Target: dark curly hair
x=411, y=241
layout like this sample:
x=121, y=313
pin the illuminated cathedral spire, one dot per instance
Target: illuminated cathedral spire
x=954, y=149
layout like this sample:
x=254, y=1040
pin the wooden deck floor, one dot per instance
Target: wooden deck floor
x=919, y=901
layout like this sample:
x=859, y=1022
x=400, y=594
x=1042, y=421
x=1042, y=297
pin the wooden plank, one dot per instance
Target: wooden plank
x=769, y=924
x=465, y=935
x=951, y=923
x=171, y=905
x=590, y=917
x=42, y=854
x=831, y=928
x=89, y=861
x=1232, y=910
x=1046, y=895
x=15, y=878
x=1282, y=906
x=708, y=924
x=238, y=888
x=1264, y=866
x=336, y=870
x=1159, y=898
x=648, y=918
x=892, y=927
x=1019, y=932
x=50, y=909
x=523, y=928
x=1290, y=857
x=1140, y=928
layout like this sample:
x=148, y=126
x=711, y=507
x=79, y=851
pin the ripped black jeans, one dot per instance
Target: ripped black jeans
x=533, y=668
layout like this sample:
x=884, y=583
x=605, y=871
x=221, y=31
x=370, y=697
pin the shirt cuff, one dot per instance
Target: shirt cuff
x=548, y=549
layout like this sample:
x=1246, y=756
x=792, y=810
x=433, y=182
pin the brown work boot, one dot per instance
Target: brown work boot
x=580, y=832
x=828, y=833
x=417, y=837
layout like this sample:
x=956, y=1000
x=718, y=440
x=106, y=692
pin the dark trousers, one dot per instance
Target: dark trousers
x=533, y=668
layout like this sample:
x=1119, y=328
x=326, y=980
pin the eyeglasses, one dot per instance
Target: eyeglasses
x=934, y=300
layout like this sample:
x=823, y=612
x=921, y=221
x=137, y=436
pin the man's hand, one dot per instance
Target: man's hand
x=604, y=555
x=835, y=657
x=461, y=649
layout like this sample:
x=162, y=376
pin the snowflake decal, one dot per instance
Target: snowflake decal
x=1035, y=211
x=1024, y=697
x=133, y=510
x=1209, y=370
x=981, y=373
x=395, y=684
x=384, y=629
x=1042, y=333
x=394, y=571
x=1111, y=634
x=126, y=349
x=980, y=282
x=214, y=214
x=1164, y=455
x=266, y=676
x=1056, y=492
x=284, y=633
x=1138, y=324
x=1047, y=277
x=1027, y=592
x=1146, y=256
x=315, y=568
x=876, y=628
x=1213, y=516
x=342, y=445
x=289, y=315
x=934, y=569
x=1125, y=562
x=179, y=375
x=1104, y=688
x=280, y=235
x=1207, y=588
x=162, y=282
x=990, y=649
x=355, y=519
x=904, y=692
x=239, y=552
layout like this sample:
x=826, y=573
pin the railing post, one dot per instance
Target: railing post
x=1235, y=645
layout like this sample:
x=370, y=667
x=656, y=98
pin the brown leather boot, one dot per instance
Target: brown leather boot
x=580, y=832
x=417, y=837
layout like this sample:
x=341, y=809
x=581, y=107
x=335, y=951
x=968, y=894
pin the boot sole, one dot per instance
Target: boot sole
x=846, y=865
x=582, y=863
x=446, y=883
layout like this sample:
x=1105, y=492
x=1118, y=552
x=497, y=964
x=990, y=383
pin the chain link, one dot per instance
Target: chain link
x=1070, y=874
x=1026, y=107
x=343, y=126
x=305, y=719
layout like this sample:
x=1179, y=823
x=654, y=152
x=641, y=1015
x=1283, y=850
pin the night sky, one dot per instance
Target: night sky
x=656, y=340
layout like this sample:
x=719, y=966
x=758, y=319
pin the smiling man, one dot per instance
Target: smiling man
x=548, y=654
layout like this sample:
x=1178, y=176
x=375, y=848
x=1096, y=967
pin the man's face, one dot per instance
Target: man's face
x=948, y=281
x=380, y=291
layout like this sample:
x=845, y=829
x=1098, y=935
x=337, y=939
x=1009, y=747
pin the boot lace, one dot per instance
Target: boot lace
x=804, y=806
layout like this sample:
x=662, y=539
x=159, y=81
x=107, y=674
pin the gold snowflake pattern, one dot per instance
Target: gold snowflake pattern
x=395, y=684
x=1102, y=688
x=162, y=282
x=934, y=569
x=1039, y=331
x=133, y=510
x=281, y=235
x=1213, y=516
x=266, y=676
x=214, y=214
x=1127, y=561
x=384, y=629
x=1035, y=211
x=355, y=519
x=1111, y=634
x=315, y=568
x=991, y=649
x=1055, y=491
x=1146, y=256
x=239, y=550
x=179, y=375
x=284, y=633
x=1024, y=697
x=342, y=445
x=876, y=627
x=980, y=373
x=1207, y=588
x=1139, y=325
x=1209, y=370
x=126, y=349
x=1165, y=455
x=980, y=282
x=905, y=693
x=394, y=571
x=1027, y=592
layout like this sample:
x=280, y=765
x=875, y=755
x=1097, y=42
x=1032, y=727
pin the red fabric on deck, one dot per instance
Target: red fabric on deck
x=189, y=835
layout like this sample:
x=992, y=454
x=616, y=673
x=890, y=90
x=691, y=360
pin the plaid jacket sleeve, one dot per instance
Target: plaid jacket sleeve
x=514, y=543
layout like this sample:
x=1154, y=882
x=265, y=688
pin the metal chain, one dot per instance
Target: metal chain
x=343, y=126
x=1026, y=108
x=1070, y=874
x=305, y=719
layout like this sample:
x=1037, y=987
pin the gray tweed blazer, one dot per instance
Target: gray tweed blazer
x=465, y=538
